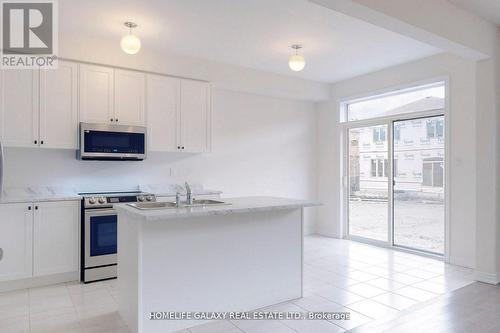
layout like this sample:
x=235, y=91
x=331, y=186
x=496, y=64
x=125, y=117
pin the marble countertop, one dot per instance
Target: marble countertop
x=28, y=194
x=49, y=193
x=235, y=205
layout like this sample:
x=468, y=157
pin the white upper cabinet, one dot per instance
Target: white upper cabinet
x=195, y=116
x=56, y=237
x=59, y=106
x=96, y=94
x=16, y=233
x=163, y=110
x=129, y=93
x=19, y=107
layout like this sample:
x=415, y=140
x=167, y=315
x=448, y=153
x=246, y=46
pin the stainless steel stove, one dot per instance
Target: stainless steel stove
x=98, y=259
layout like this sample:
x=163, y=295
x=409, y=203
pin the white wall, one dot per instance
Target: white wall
x=462, y=78
x=261, y=146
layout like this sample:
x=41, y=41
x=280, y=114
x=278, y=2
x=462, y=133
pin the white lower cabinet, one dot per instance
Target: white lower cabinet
x=38, y=239
x=16, y=241
x=55, y=237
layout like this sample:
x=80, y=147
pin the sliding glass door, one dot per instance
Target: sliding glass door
x=396, y=183
x=418, y=193
x=369, y=171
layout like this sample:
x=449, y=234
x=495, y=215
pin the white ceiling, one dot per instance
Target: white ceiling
x=251, y=33
x=488, y=9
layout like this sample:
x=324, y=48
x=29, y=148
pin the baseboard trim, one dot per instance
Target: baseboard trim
x=491, y=278
x=40, y=281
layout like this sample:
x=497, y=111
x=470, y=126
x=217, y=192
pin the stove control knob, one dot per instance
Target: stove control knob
x=149, y=198
x=102, y=200
x=140, y=198
x=92, y=201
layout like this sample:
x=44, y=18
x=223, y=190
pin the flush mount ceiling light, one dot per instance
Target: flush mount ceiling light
x=130, y=44
x=296, y=61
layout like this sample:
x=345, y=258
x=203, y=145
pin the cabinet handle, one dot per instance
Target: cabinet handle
x=178, y=147
x=116, y=119
x=182, y=147
x=1, y=254
x=29, y=207
x=36, y=142
x=41, y=142
x=36, y=207
x=112, y=119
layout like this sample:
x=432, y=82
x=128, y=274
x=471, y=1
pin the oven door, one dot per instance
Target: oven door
x=100, y=237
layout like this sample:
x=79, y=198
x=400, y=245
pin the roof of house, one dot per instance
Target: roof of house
x=424, y=104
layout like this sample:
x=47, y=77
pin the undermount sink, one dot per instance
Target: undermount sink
x=167, y=205
x=153, y=205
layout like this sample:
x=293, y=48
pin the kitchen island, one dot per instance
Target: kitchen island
x=240, y=256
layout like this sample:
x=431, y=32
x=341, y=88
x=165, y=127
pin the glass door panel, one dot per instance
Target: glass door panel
x=418, y=202
x=368, y=182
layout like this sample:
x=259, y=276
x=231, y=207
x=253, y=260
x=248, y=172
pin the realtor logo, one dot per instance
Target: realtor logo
x=29, y=34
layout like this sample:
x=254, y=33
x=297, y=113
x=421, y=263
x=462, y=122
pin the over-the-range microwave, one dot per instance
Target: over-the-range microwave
x=112, y=142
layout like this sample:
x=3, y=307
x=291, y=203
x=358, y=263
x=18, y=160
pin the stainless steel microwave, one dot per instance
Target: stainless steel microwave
x=112, y=142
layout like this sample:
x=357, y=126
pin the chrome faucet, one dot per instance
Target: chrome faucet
x=189, y=194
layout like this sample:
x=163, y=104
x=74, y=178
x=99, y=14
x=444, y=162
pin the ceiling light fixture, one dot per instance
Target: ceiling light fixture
x=130, y=44
x=296, y=61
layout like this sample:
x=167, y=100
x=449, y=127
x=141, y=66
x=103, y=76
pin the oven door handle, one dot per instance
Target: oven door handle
x=100, y=212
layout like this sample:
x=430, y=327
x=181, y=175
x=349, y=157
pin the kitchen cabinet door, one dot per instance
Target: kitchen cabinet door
x=96, y=94
x=19, y=107
x=163, y=118
x=56, y=237
x=58, y=106
x=130, y=91
x=195, y=116
x=16, y=239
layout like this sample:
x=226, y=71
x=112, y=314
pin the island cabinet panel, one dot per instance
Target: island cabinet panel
x=216, y=262
x=163, y=113
x=16, y=234
x=56, y=237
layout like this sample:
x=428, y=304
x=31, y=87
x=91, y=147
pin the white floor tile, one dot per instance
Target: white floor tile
x=313, y=326
x=405, y=278
x=372, y=309
x=356, y=319
x=340, y=296
x=392, y=279
x=365, y=290
x=19, y=324
x=431, y=286
x=262, y=326
x=317, y=304
x=222, y=326
x=415, y=293
x=361, y=276
x=385, y=284
x=420, y=273
x=395, y=301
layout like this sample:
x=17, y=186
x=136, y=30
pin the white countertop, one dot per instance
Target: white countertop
x=48, y=193
x=236, y=205
x=38, y=194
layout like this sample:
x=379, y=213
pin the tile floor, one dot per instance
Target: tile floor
x=339, y=275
